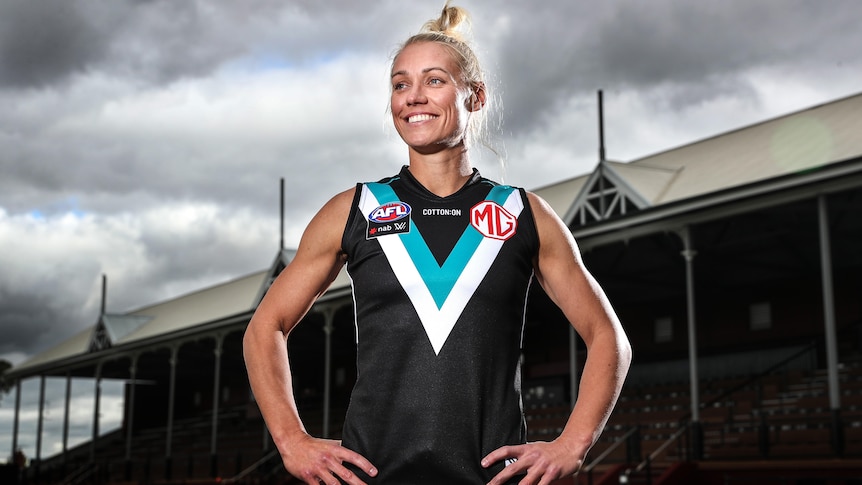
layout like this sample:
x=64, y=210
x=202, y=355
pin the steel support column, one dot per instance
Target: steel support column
x=830, y=326
x=696, y=441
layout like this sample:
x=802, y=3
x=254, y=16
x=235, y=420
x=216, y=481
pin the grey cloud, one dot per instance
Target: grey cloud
x=36, y=320
x=705, y=48
x=42, y=42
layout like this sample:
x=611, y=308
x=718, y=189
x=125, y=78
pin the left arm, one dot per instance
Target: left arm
x=561, y=272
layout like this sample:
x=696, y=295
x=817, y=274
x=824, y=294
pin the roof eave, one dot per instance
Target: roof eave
x=830, y=178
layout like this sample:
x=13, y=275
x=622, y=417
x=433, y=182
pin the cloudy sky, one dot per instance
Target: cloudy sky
x=145, y=140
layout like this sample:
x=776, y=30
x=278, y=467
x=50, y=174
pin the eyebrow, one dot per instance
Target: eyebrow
x=424, y=71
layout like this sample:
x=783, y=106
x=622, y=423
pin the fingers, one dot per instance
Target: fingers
x=499, y=454
x=360, y=462
x=510, y=455
x=323, y=461
x=540, y=463
x=334, y=473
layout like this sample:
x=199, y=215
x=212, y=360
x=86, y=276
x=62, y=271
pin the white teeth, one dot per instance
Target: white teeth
x=418, y=118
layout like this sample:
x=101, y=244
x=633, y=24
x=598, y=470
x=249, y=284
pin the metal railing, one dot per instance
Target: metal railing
x=588, y=470
x=254, y=467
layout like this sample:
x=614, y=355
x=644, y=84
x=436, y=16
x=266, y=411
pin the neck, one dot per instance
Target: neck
x=442, y=173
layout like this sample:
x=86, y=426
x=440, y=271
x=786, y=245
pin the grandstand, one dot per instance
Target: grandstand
x=734, y=263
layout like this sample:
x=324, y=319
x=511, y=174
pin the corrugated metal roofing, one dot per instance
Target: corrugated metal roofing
x=652, y=183
x=207, y=305
x=76, y=345
x=561, y=195
x=788, y=144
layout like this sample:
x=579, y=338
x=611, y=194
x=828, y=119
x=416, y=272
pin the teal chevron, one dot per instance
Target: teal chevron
x=439, y=279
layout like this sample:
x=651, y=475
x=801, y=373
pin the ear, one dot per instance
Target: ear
x=477, y=99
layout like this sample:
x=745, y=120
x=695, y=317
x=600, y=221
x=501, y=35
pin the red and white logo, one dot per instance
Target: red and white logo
x=493, y=221
x=390, y=212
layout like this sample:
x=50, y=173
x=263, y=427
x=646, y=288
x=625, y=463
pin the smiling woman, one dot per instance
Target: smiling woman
x=441, y=261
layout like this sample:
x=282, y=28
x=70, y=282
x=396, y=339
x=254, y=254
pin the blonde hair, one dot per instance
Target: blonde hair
x=453, y=29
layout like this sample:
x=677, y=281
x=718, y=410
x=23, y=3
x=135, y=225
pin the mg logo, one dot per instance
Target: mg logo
x=492, y=220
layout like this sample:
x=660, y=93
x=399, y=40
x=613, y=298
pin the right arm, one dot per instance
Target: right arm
x=317, y=262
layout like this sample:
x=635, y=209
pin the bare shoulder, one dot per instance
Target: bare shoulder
x=326, y=227
x=547, y=221
x=338, y=205
x=537, y=203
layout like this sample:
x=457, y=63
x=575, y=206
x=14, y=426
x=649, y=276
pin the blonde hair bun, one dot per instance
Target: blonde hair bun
x=453, y=22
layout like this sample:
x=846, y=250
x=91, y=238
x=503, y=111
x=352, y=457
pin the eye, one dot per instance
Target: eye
x=399, y=86
x=435, y=81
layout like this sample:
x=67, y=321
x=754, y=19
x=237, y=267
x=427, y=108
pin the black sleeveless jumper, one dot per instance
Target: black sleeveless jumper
x=440, y=287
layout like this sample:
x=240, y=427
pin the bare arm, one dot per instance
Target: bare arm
x=560, y=271
x=317, y=262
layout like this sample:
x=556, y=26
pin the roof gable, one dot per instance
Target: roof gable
x=282, y=259
x=606, y=194
x=113, y=328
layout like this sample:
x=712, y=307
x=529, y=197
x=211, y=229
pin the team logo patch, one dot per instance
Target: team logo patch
x=492, y=220
x=389, y=218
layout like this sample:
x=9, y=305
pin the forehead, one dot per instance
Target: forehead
x=423, y=55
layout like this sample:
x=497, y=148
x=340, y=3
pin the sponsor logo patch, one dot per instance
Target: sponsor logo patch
x=441, y=212
x=492, y=220
x=390, y=218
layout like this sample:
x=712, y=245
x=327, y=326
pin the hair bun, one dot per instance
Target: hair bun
x=451, y=22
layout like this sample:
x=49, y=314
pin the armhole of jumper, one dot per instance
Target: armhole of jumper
x=354, y=206
x=528, y=207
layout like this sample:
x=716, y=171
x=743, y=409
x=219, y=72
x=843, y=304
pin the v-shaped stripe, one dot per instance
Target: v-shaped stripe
x=439, y=293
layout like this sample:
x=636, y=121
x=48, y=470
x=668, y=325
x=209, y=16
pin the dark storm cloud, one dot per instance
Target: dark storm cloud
x=702, y=49
x=36, y=319
x=43, y=42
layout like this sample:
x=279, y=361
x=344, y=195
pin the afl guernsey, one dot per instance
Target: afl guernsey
x=440, y=287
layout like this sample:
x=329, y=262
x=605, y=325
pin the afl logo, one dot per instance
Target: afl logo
x=390, y=212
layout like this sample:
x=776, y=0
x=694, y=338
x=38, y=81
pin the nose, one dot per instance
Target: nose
x=416, y=95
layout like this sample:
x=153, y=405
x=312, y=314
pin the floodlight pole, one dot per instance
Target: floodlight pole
x=601, y=156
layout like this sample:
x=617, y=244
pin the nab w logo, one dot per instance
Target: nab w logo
x=492, y=220
x=392, y=211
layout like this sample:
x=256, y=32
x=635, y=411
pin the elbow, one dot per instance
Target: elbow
x=247, y=342
x=250, y=339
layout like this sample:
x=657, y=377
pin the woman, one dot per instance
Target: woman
x=441, y=261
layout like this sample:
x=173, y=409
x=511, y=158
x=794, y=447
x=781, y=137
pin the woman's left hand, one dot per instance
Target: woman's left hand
x=539, y=462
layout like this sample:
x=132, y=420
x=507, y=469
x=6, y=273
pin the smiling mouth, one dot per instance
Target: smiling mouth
x=418, y=118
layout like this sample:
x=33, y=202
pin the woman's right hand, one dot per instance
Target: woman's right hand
x=315, y=460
